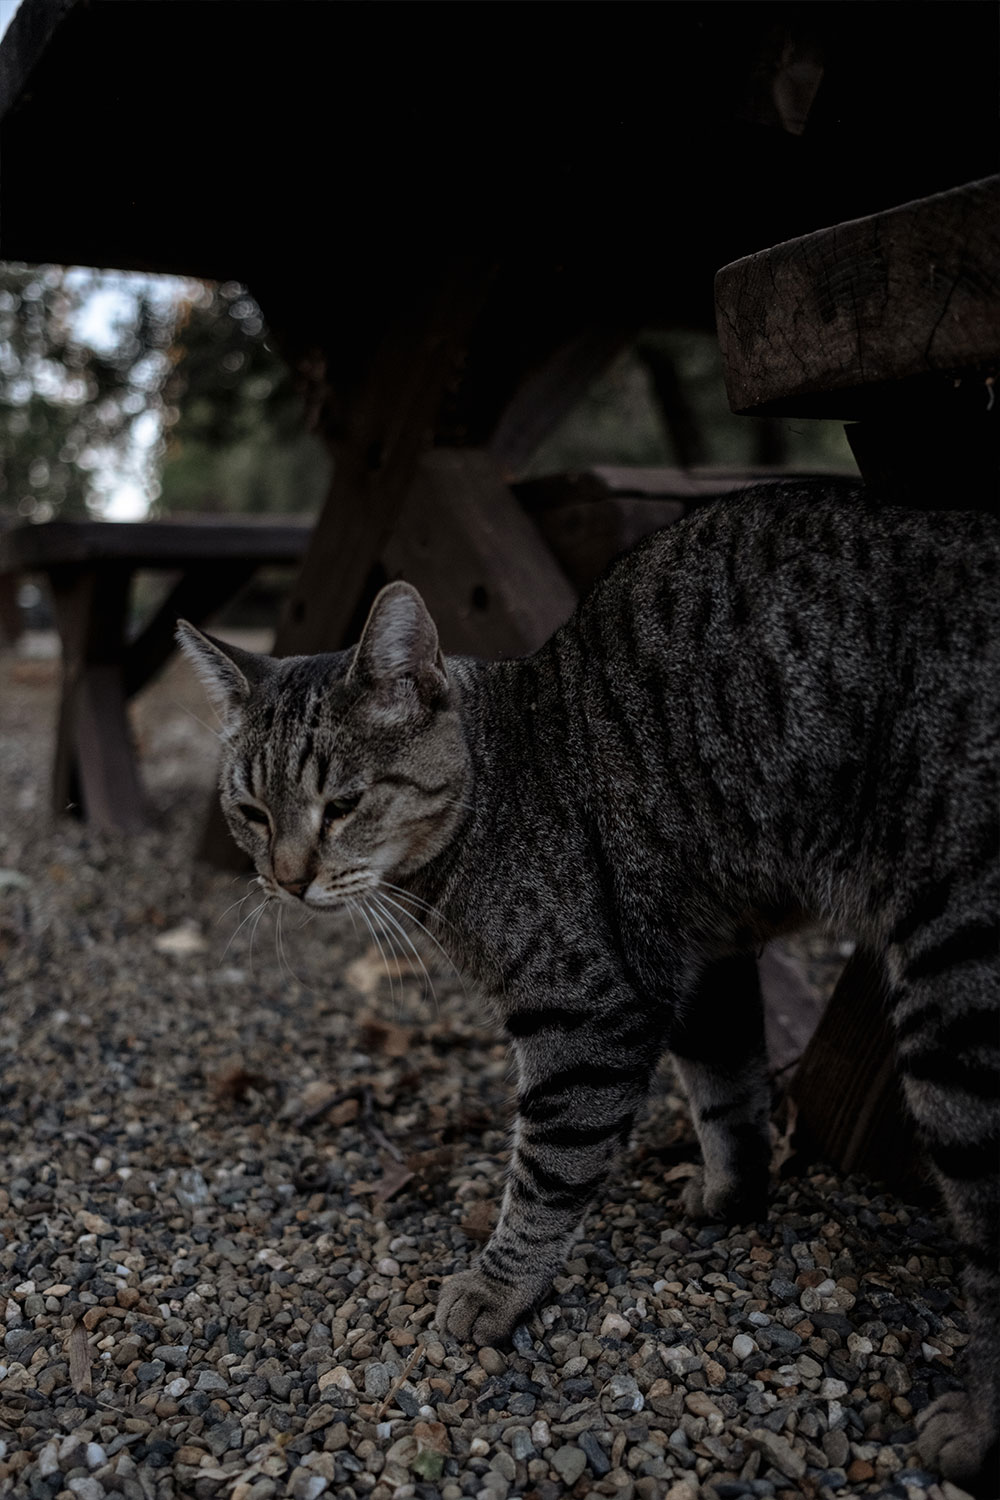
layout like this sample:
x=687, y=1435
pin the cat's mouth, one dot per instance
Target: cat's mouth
x=318, y=896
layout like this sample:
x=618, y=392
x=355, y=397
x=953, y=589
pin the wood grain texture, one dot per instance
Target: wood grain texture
x=818, y=325
x=377, y=418
x=486, y=574
x=850, y=1103
x=94, y=763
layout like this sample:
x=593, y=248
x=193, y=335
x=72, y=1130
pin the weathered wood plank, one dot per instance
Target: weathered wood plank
x=821, y=324
x=544, y=396
x=588, y=516
x=196, y=596
x=486, y=574
x=376, y=425
x=850, y=1103
x=203, y=540
x=94, y=761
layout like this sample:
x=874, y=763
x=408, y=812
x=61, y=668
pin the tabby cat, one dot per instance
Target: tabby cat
x=784, y=705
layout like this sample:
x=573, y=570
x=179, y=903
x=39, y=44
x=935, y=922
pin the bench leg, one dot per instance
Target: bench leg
x=850, y=1104
x=11, y=624
x=94, y=760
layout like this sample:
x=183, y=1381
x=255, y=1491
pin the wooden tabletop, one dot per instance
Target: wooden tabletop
x=155, y=544
x=638, y=147
x=829, y=322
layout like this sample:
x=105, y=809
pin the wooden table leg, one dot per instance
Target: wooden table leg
x=377, y=419
x=377, y=412
x=94, y=759
x=851, y=1109
x=196, y=596
x=485, y=571
x=11, y=624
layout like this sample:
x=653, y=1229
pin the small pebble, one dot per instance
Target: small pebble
x=569, y=1462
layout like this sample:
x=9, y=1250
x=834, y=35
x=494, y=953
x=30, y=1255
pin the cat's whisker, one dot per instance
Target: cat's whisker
x=239, y=903
x=248, y=918
x=398, y=926
x=363, y=909
x=426, y=906
x=280, y=945
x=190, y=711
x=443, y=951
x=349, y=908
x=253, y=929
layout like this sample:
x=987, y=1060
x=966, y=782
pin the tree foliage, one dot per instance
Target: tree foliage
x=162, y=392
x=234, y=424
x=73, y=407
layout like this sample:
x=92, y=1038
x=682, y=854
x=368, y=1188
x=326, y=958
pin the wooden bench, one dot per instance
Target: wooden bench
x=891, y=322
x=89, y=566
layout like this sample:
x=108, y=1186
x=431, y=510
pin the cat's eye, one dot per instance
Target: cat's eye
x=339, y=807
x=253, y=814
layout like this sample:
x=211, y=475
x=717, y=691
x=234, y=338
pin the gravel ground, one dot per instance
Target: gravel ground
x=236, y=1174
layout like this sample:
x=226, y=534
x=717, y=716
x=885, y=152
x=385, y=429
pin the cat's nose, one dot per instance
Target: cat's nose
x=294, y=887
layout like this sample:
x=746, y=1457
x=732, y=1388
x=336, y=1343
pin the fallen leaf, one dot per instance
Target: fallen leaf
x=181, y=941
x=237, y=1083
x=429, y=1464
x=683, y=1170
x=344, y=1112
x=376, y=1035
x=79, y=1360
x=312, y=1103
x=477, y=1223
x=373, y=969
x=395, y=1174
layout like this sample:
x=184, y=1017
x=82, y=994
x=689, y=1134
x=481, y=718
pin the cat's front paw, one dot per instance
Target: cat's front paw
x=479, y=1310
x=961, y=1443
x=724, y=1202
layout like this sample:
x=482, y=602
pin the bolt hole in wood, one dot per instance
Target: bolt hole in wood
x=480, y=598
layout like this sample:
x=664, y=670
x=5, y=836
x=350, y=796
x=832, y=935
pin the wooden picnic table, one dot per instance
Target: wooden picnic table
x=453, y=216
x=90, y=567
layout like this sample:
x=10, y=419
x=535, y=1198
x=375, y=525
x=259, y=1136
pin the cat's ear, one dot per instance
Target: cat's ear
x=400, y=644
x=228, y=673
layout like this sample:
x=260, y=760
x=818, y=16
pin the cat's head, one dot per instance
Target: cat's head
x=343, y=771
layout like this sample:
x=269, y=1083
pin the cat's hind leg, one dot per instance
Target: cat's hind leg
x=717, y=1044
x=946, y=1010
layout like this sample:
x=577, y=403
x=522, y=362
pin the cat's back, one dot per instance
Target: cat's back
x=805, y=573
x=779, y=638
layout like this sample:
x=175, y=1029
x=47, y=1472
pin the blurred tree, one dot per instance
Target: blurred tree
x=235, y=431
x=663, y=401
x=75, y=401
x=128, y=395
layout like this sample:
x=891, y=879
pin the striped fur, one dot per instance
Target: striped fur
x=785, y=705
